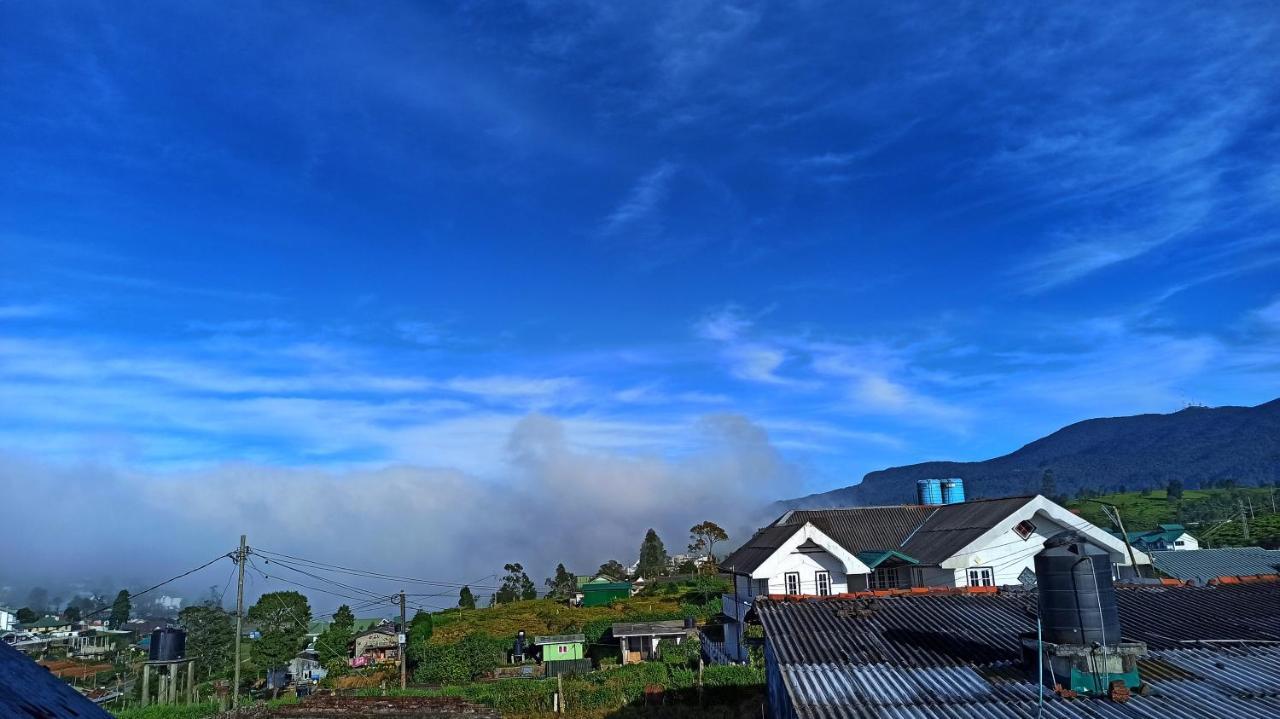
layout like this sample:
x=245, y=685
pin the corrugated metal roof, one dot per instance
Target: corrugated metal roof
x=560, y=639
x=960, y=655
x=1205, y=564
x=927, y=533
x=665, y=628
x=29, y=690
x=760, y=547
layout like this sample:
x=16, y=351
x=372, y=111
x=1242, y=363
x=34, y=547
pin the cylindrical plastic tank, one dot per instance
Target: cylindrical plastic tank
x=929, y=491
x=952, y=491
x=1077, y=597
x=167, y=645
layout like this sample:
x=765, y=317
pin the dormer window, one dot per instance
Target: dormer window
x=1025, y=529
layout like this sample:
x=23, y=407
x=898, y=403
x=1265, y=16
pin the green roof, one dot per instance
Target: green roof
x=875, y=557
x=47, y=623
x=606, y=586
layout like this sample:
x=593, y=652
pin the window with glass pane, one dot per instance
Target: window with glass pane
x=762, y=586
x=982, y=577
x=823, y=580
x=793, y=582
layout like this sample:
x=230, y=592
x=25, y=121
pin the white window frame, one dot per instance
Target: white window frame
x=823, y=581
x=981, y=576
x=786, y=582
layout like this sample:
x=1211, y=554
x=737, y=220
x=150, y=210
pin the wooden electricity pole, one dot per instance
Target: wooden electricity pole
x=404, y=642
x=240, y=560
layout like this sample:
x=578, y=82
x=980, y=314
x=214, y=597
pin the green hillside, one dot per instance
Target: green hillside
x=1211, y=515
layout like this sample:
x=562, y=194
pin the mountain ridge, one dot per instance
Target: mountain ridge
x=1195, y=445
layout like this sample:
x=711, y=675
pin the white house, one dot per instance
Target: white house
x=989, y=542
x=8, y=619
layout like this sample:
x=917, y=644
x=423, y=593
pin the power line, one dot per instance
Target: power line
x=161, y=584
x=314, y=564
x=334, y=582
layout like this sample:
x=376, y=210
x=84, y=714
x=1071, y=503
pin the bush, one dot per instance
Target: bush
x=461, y=662
x=731, y=675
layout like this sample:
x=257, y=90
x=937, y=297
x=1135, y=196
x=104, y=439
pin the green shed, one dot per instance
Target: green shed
x=561, y=647
x=599, y=594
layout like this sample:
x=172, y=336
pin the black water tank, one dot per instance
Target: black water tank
x=168, y=644
x=1077, y=598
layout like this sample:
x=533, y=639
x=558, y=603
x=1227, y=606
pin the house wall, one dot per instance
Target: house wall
x=7, y=620
x=1008, y=554
x=1187, y=542
x=557, y=652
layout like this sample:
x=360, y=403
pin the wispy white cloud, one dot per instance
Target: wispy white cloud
x=640, y=210
x=27, y=311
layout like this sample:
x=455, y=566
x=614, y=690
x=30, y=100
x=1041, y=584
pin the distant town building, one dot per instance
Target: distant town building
x=638, y=641
x=8, y=619
x=1166, y=537
x=1204, y=565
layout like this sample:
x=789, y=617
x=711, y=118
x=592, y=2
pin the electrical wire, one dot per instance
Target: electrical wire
x=334, y=582
x=314, y=564
x=189, y=572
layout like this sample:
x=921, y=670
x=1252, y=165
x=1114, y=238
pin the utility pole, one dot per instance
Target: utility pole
x=240, y=560
x=1113, y=513
x=404, y=642
x=1244, y=519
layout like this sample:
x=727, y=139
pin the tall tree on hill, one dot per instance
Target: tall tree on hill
x=332, y=643
x=466, y=599
x=613, y=569
x=703, y=539
x=283, y=619
x=562, y=585
x=1048, y=485
x=120, y=609
x=26, y=616
x=653, y=556
x=1174, y=490
x=516, y=585
x=211, y=634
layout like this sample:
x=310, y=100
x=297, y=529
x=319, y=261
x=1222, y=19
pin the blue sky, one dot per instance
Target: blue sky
x=344, y=237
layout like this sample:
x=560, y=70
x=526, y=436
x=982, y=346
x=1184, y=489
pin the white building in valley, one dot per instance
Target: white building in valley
x=989, y=542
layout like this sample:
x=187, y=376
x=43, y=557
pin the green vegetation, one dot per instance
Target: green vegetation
x=119, y=610
x=516, y=586
x=283, y=619
x=606, y=691
x=466, y=600
x=1211, y=515
x=653, y=556
x=563, y=585
x=190, y=711
x=211, y=634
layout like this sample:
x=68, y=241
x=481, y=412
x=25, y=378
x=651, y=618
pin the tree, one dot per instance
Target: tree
x=653, y=555
x=420, y=628
x=1174, y=490
x=704, y=537
x=72, y=613
x=613, y=569
x=120, y=609
x=211, y=635
x=1048, y=485
x=283, y=619
x=26, y=616
x=516, y=585
x=38, y=600
x=563, y=585
x=332, y=643
x=466, y=599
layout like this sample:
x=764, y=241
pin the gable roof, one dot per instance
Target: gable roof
x=539, y=641
x=666, y=627
x=29, y=690
x=1205, y=564
x=961, y=654
x=927, y=534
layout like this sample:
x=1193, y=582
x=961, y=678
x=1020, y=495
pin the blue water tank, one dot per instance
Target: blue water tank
x=952, y=491
x=929, y=491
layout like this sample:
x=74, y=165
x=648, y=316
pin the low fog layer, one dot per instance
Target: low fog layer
x=94, y=525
